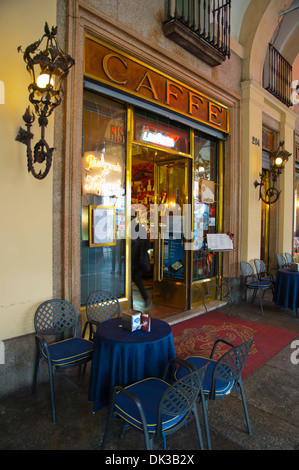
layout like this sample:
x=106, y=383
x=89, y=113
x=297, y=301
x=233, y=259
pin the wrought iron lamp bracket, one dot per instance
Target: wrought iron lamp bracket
x=41, y=152
x=271, y=195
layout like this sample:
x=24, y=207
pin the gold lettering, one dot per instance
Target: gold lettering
x=192, y=102
x=170, y=93
x=106, y=70
x=94, y=162
x=150, y=87
x=214, y=113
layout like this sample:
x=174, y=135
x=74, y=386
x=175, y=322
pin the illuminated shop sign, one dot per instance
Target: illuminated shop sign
x=160, y=135
x=153, y=136
x=101, y=177
x=116, y=69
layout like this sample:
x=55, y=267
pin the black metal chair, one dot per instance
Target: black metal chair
x=156, y=407
x=262, y=273
x=249, y=280
x=289, y=258
x=54, y=319
x=223, y=375
x=282, y=262
x=100, y=306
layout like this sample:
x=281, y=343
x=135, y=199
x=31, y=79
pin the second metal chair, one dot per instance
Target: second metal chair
x=250, y=281
x=100, y=306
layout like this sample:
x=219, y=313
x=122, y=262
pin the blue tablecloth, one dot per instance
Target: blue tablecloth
x=122, y=357
x=286, y=293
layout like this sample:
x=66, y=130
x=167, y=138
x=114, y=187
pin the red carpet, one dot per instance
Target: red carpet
x=195, y=337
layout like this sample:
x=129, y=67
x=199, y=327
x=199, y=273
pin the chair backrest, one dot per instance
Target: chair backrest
x=180, y=397
x=281, y=260
x=260, y=266
x=230, y=365
x=289, y=258
x=55, y=316
x=102, y=305
x=246, y=269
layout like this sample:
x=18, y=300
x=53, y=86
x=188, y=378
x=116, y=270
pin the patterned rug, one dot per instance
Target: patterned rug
x=195, y=337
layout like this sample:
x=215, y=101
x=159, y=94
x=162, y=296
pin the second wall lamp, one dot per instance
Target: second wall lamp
x=278, y=159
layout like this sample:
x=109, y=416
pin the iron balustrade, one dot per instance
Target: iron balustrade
x=278, y=76
x=209, y=19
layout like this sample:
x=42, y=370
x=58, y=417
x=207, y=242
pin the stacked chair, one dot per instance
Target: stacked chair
x=262, y=273
x=289, y=258
x=282, y=262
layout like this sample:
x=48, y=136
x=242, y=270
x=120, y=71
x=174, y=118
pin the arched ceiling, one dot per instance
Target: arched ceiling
x=286, y=35
x=265, y=21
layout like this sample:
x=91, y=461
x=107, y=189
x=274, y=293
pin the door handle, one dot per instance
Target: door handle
x=160, y=256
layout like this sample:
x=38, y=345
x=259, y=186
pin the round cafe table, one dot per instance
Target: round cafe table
x=286, y=293
x=122, y=357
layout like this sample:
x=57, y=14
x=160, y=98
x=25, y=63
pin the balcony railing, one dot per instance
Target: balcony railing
x=278, y=76
x=206, y=20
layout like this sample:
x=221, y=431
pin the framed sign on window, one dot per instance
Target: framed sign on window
x=102, y=225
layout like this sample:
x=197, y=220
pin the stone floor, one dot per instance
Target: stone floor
x=272, y=394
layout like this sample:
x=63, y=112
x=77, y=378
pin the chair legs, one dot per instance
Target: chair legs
x=261, y=301
x=108, y=422
x=195, y=413
x=261, y=294
x=205, y=417
x=36, y=368
x=52, y=392
x=245, y=406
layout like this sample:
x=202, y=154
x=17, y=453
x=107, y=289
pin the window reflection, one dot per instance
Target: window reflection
x=205, y=205
x=103, y=186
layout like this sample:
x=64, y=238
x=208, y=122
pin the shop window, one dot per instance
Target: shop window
x=205, y=205
x=103, y=196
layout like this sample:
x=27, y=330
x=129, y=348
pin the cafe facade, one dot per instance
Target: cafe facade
x=146, y=130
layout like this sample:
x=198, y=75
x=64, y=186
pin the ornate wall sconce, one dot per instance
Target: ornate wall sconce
x=48, y=66
x=278, y=159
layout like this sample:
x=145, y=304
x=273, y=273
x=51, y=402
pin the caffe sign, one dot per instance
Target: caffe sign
x=114, y=68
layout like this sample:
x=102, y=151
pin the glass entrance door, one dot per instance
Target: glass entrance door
x=160, y=194
x=171, y=220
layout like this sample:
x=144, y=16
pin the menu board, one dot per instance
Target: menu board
x=219, y=242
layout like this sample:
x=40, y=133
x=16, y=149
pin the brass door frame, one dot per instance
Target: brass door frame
x=164, y=292
x=265, y=229
x=201, y=286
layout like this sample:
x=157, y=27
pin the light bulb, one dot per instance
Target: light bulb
x=43, y=80
x=278, y=161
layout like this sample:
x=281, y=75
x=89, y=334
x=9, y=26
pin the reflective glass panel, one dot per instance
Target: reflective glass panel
x=103, y=196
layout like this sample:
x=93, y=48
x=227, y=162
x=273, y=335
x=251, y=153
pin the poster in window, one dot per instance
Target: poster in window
x=102, y=225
